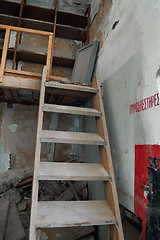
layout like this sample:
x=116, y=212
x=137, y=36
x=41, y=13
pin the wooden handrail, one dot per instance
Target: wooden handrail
x=25, y=30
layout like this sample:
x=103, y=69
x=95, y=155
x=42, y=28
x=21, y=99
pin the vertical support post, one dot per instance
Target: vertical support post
x=4, y=53
x=51, y=48
x=88, y=24
x=17, y=36
x=49, y=56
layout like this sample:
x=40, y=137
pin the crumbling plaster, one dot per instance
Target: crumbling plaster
x=127, y=66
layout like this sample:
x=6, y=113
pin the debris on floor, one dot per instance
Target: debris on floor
x=14, y=229
x=15, y=204
x=4, y=208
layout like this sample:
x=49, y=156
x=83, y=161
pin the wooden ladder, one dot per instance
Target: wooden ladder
x=52, y=214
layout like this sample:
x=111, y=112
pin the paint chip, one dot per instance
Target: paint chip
x=13, y=128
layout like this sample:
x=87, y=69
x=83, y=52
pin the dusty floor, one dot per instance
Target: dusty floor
x=130, y=232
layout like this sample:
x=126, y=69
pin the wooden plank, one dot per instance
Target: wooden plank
x=73, y=213
x=32, y=232
x=88, y=24
x=17, y=36
x=66, y=32
x=39, y=58
x=68, y=194
x=4, y=207
x=24, y=30
x=14, y=228
x=71, y=87
x=69, y=32
x=69, y=233
x=4, y=54
x=71, y=110
x=23, y=73
x=72, y=171
x=44, y=14
x=71, y=137
x=51, y=45
x=20, y=83
x=116, y=231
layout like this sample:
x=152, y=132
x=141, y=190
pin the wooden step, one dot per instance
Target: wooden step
x=71, y=137
x=72, y=171
x=71, y=110
x=52, y=214
x=71, y=87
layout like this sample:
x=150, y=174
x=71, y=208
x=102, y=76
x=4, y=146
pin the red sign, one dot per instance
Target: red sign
x=142, y=161
x=145, y=104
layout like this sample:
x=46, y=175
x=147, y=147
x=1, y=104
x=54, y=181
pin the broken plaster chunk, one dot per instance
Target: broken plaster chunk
x=13, y=128
x=41, y=235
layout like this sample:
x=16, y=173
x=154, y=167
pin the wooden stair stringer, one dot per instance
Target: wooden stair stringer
x=116, y=231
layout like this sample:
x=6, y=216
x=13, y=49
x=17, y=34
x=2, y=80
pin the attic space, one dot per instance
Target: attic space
x=79, y=120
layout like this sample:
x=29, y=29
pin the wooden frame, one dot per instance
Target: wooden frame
x=23, y=30
x=4, y=53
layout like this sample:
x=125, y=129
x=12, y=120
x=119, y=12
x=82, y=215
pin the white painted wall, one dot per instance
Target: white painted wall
x=127, y=66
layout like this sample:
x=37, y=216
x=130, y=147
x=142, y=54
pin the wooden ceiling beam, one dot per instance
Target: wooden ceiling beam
x=43, y=14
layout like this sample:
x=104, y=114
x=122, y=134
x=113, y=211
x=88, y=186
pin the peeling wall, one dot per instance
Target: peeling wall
x=127, y=66
x=18, y=134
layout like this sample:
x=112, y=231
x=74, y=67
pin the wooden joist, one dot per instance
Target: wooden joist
x=63, y=214
x=71, y=110
x=72, y=172
x=63, y=31
x=43, y=14
x=71, y=137
x=39, y=58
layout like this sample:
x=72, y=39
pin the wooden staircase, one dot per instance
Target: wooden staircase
x=52, y=214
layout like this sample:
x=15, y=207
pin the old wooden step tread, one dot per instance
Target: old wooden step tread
x=71, y=137
x=73, y=213
x=71, y=110
x=72, y=171
x=71, y=87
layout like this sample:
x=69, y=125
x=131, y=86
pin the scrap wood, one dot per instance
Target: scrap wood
x=4, y=207
x=22, y=206
x=68, y=194
x=25, y=181
x=14, y=228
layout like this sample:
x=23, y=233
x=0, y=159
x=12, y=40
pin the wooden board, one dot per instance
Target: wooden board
x=85, y=59
x=72, y=171
x=70, y=110
x=40, y=58
x=20, y=83
x=14, y=228
x=71, y=137
x=4, y=207
x=24, y=30
x=77, y=213
x=68, y=194
x=71, y=87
